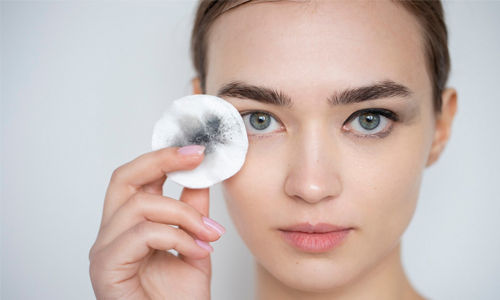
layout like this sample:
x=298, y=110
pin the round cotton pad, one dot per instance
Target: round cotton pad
x=209, y=121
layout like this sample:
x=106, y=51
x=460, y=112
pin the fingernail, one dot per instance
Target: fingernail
x=191, y=150
x=204, y=245
x=214, y=226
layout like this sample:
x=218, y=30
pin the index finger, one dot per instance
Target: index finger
x=149, y=167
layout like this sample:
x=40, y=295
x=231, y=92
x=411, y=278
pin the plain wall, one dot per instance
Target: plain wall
x=82, y=84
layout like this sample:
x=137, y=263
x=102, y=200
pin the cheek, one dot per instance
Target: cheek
x=383, y=186
x=256, y=190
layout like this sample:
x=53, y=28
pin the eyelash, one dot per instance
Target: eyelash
x=377, y=111
x=260, y=136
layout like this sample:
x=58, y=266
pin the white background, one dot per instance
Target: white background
x=82, y=84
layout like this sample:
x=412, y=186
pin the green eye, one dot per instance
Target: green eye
x=260, y=121
x=369, y=121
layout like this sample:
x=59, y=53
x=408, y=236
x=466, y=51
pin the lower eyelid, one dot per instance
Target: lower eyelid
x=375, y=135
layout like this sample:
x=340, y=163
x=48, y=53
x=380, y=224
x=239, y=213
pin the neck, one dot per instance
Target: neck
x=386, y=281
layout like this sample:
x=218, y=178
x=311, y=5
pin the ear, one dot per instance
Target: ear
x=443, y=125
x=196, y=85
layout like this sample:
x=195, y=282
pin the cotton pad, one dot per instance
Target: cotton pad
x=209, y=121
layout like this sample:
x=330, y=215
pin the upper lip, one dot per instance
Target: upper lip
x=318, y=228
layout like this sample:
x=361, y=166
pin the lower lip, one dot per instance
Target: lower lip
x=314, y=242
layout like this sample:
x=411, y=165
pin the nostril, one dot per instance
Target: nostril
x=312, y=191
x=310, y=199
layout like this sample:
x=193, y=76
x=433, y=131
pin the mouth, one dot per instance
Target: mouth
x=322, y=237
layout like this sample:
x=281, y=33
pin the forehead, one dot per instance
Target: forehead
x=320, y=44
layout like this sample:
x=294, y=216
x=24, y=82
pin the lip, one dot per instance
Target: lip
x=321, y=237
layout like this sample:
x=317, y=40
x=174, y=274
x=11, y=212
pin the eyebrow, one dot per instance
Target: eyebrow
x=379, y=90
x=239, y=89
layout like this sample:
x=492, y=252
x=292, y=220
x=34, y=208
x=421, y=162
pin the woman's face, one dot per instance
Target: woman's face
x=308, y=162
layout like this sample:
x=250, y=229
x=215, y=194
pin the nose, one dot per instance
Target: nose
x=313, y=174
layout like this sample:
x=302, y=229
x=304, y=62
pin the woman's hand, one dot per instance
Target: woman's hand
x=129, y=259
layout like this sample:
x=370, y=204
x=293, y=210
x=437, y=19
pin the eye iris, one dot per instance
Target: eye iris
x=369, y=121
x=260, y=120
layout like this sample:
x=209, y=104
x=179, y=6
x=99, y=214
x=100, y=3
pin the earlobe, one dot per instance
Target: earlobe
x=443, y=125
x=196, y=85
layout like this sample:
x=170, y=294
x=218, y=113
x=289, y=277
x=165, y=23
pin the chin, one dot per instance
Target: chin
x=313, y=274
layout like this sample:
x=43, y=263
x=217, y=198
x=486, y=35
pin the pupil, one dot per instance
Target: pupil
x=259, y=120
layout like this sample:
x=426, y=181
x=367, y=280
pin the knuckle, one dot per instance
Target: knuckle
x=117, y=174
x=184, y=209
x=92, y=252
x=188, y=214
x=139, y=199
x=163, y=153
x=166, y=160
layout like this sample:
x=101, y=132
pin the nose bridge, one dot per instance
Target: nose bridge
x=313, y=174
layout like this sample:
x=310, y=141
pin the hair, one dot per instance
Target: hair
x=429, y=14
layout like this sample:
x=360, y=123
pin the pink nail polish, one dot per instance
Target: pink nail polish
x=191, y=150
x=214, y=226
x=204, y=245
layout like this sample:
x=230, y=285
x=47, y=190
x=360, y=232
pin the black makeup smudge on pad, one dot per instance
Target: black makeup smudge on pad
x=210, y=133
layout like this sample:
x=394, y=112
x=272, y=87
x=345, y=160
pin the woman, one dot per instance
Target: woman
x=345, y=105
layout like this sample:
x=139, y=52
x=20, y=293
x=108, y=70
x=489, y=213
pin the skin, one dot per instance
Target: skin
x=312, y=169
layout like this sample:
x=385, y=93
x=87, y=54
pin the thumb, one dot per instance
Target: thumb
x=199, y=199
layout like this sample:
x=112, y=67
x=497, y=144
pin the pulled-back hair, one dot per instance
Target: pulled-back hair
x=429, y=14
